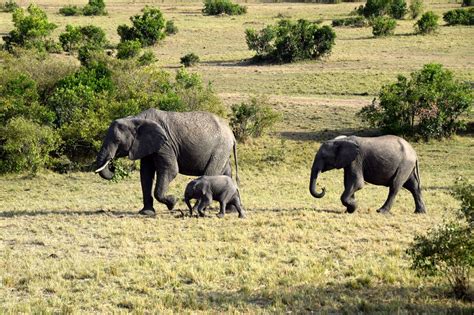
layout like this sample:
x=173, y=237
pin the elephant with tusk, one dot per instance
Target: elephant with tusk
x=387, y=161
x=168, y=143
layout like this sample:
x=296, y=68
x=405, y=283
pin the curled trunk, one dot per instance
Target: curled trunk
x=104, y=168
x=312, y=183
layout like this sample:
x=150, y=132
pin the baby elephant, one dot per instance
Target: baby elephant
x=208, y=188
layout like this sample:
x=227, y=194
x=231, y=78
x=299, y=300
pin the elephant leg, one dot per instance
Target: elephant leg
x=236, y=202
x=147, y=174
x=164, y=177
x=223, y=205
x=202, y=204
x=352, y=183
x=228, y=172
x=392, y=192
x=188, y=203
x=412, y=185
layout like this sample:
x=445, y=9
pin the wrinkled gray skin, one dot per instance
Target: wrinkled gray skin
x=168, y=143
x=208, y=188
x=387, y=161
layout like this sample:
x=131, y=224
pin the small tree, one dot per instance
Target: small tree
x=95, y=7
x=216, y=7
x=428, y=23
x=9, y=6
x=76, y=37
x=70, y=10
x=448, y=250
x=147, y=58
x=416, y=8
x=189, y=60
x=290, y=41
x=148, y=28
x=459, y=16
x=253, y=118
x=30, y=30
x=398, y=9
x=383, y=26
x=170, y=28
x=428, y=105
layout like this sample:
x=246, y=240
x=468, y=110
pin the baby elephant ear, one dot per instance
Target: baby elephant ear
x=149, y=138
x=346, y=152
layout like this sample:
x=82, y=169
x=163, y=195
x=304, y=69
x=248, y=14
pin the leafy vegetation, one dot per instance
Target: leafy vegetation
x=449, y=249
x=467, y=3
x=428, y=23
x=128, y=49
x=189, y=60
x=253, y=118
x=383, y=26
x=170, y=28
x=76, y=37
x=356, y=21
x=147, y=58
x=31, y=30
x=9, y=6
x=148, y=28
x=376, y=8
x=216, y=7
x=459, y=16
x=289, y=41
x=70, y=10
x=415, y=8
x=93, y=7
x=428, y=105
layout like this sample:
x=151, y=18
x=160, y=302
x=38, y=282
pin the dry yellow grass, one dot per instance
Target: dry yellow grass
x=74, y=244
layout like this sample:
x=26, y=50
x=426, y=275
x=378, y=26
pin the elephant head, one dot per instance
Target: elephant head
x=337, y=153
x=132, y=137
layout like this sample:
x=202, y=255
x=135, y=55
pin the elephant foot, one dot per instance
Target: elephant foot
x=242, y=215
x=220, y=215
x=201, y=214
x=420, y=211
x=171, y=202
x=350, y=209
x=147, y=212
x=383, y=211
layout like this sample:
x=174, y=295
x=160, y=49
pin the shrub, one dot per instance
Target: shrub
x=216, y=7
x=30, y=30
x=416, y=8
x=448, y=249
x=356, y=21
x=189, y=60
x=78, y=36
x=128, y=49
x=252, y=119
x=428, y=105
x=397, y=9
x=148, y=28
x=26, y=146
x=9, y=6
x=428, y=23
x=70, y=10
x=459, y=16
x=94, y=7
x=290, y=41
x=374, y=8
x=170, y=28
x=467, y=3
x=147, y=58
x=383, y=26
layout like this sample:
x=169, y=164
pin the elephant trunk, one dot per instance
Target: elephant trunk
x=105, y=170
x=315, y=171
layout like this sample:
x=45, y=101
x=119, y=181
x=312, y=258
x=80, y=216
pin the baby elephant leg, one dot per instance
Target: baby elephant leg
x=236, y=202
x=201, y=205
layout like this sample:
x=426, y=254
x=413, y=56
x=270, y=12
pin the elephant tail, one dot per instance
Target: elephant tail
x=236, y=164
x=417, y=174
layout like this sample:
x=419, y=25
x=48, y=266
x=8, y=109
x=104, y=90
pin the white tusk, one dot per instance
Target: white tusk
x=102, y=167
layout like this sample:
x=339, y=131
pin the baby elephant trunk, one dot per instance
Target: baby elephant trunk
x=312, y=184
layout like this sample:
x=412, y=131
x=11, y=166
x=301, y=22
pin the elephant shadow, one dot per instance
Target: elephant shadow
x=327, y=134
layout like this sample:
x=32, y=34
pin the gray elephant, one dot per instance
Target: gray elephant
x=168, y=143
x=208, y=188
x=387, y=160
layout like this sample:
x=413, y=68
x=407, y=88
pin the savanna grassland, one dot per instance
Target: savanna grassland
x=74, y=243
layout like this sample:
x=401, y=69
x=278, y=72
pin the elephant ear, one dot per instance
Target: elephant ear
x=148, y=139
x=346, y=152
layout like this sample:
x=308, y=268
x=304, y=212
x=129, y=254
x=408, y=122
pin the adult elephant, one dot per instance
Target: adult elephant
x=168, y=143
x=387, y=160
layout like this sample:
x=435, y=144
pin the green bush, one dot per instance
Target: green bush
x=170, y=28
x=448, y=250
x=397, y=9
x=216, y=7
x=148, y=28
x=189, y=60
x=147, y=58
x=94, y=7
x=467, y=3
x=76, y=37
x=355, y=21
x=70, y=10
x=416, y=8
x=383, y=26
x=26, y=146
x=290, y=41
x=374, y=8
x=428, y=23
x=427, y=105
x=128, y=49
x=9, y=6
x=252, y=119
x=30, y=30
x=459, y=16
